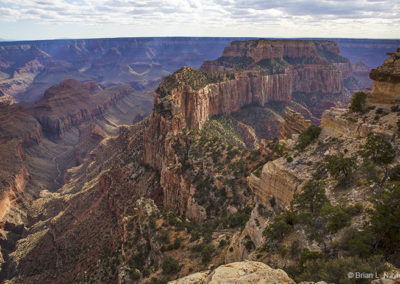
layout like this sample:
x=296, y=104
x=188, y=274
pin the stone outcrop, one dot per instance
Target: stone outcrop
x=238, y=272
x=314, y=74
x=252, y=232
x=386, y=86
x=339, y=122
x=276, y=181
x=334, y=123
x=294, y=123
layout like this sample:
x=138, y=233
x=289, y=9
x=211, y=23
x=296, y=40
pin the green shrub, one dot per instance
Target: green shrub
x=134, y=274
x=384, y=219
x=395, y=173
x=358, y=102
x=295, y=249
x=137, y=260
x=240, y=218
x=341, y=168
x=206, y=253
x=279, y=149
x=164, y=237
x=354, y=210
x=307, y=255
x=158, y=281
x=289, y=159
x=358, y=243
x=336, y=270
x=311, y=199
x=335, y=218
x=308, y=136
x=378, y=149
x=395, y=108
x=170, y=265
x=249, y=245
x=281, y=227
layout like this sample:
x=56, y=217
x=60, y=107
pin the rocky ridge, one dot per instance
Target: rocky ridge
x=238, y=272
x=386, y=81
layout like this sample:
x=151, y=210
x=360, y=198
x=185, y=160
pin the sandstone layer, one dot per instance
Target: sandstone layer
x=386, y=87
x=276, y=182
x=71, y=103
x=294, y=123
x=238, y=272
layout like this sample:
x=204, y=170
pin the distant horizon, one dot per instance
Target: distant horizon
x=222, y=37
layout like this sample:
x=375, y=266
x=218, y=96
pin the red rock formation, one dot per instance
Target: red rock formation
x=179, y=103
x=313, y=69
x=71, y=102
x=268, y=49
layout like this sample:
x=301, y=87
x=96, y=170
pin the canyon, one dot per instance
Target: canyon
x=93, y=196
x=28, y=68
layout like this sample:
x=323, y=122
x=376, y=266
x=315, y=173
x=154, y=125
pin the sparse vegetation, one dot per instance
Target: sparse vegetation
x=358, y=102
x=341, y=168
x=384, y=219
x=311, y=199
x=336, y=270
x=239, y=219
x=170, y=265
x=378, y=149
x=308, y=136
x=196, y=79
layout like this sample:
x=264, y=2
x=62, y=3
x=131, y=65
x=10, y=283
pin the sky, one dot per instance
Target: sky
x=52, y=19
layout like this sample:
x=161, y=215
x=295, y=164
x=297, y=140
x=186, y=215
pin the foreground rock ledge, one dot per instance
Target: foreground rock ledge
x=238, y=272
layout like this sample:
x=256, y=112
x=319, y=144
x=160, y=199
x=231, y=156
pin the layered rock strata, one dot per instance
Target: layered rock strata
x=294, y=123
x=275, y=182
x=386, y=86
x=239, y=272
x=71, y=103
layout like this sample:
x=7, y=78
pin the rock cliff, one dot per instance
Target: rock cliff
x=275, y=182
x=71, y=103
x=386, y=87
x=313, y=70
x=384, y=95
x=294, y=123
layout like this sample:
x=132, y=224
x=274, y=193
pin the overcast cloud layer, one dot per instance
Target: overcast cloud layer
x=28, y=19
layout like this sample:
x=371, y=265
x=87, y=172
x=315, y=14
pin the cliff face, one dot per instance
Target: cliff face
x=275, y=182
x=189, y=98
x=71, y=103
x=313, y=70
x=294, y=123
x=386, y=87
x=270, y=49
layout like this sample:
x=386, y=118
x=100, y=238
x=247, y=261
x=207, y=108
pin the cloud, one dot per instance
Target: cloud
x=213, y=15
